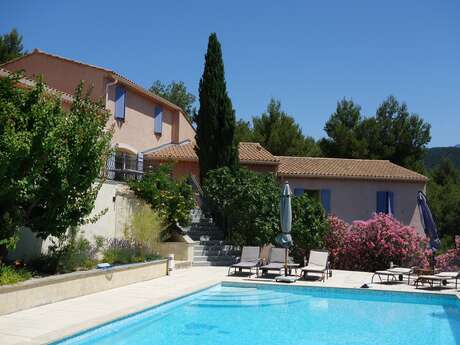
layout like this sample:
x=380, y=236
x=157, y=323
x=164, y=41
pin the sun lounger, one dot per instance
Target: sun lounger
x=275, y=261
x=249, y=260
x=317, y=263
x=442, y=278
x=394, y=274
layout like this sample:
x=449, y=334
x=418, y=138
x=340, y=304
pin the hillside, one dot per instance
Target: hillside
x=435, y=154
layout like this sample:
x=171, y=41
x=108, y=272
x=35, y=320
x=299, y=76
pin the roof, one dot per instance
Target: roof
x=185, y=151
x=31, y=83
x=112, y=74
x=346, y=168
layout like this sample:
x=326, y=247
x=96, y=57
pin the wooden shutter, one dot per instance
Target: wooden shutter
x=158, y=120
x=120, y=95
x=382, y=202
x=326, y=200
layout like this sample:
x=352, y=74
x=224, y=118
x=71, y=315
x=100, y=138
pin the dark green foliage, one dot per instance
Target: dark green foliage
x=216, y=146
x=246, y=205
x=175, y=92
x=342, y=130
x=49, y=160
x=280, y=134
x=309, y=225
x=243, y=132
x=393, y=134
x=11, y=46
x=172, y=199
x=444, y=198
x=434, y=156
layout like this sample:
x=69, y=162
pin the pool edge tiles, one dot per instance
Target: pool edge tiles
x=182, y=298
x=415, y=294
x=98, y=330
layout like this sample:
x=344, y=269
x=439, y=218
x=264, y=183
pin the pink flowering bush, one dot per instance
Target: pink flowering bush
x=450, y=260
x=371, y=245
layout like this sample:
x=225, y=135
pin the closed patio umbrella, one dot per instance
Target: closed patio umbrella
x=284, y=239
x=429, y=226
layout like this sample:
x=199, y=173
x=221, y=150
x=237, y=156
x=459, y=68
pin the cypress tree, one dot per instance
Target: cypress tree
x=215, y=119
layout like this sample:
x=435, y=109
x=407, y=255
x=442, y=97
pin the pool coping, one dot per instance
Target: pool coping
x=78, y=329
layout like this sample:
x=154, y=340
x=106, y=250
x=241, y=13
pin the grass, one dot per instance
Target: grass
x=10, y=275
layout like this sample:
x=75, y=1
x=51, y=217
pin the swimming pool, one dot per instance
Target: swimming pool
x=252, y=314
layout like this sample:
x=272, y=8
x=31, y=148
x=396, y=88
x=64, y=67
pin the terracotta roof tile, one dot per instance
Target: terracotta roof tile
x=248, y=152
x=346, y=168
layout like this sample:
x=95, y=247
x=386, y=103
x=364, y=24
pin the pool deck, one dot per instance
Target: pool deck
x=46, y=323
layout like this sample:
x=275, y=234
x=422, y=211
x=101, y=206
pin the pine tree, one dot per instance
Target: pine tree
x=215, y=120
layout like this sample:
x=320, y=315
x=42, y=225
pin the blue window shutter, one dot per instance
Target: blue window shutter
x=382, y=202
x=120, y=95
x=326, y=200
x=158, y=120
x=298, y=191
x=390, y=203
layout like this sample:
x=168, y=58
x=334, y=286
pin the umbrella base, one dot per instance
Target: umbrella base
x=286, y=279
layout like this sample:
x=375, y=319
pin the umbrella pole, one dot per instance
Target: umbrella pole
x=285, y=261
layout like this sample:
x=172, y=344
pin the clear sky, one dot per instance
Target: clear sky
x=308, y=54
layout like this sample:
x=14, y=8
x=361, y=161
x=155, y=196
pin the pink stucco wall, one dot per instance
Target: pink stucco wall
x=356, y=199
x=136, y=132
x=60, y=74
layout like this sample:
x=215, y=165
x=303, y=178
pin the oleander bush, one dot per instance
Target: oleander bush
x=450, y=260
x=373, y=244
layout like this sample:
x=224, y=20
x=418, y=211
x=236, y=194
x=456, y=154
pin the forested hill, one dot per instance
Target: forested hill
x=436, y=154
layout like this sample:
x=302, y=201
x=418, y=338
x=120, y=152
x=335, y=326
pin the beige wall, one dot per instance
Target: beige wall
x=356, y=199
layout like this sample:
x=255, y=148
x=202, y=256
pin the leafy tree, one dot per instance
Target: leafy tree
x=172, y=199
x=309, y=225
x=280, y=134
x=245, y=204
x=396, y=135
x=444, y=198
x=342, y=129
x=11, y=46
x=49, y=160
x=175, y=92
x=393, y=134
x=215, y=120
x=243, y=131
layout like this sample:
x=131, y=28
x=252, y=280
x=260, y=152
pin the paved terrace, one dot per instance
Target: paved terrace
x=53, y=321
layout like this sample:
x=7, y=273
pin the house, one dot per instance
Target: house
x=141, y=120
x=149, y=131
x=352, y=189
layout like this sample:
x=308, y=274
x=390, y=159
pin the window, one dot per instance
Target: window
x=158, y=120
x=385, y=202
x=323, y=196
x=120, y=95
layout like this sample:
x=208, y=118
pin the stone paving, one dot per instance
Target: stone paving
x=50, y=322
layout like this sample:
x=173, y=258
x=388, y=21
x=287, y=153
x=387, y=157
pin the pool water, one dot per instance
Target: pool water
x=266, y=314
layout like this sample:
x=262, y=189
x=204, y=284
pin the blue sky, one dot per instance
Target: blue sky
x=308, y=54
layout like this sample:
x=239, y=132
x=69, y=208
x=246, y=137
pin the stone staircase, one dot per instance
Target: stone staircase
x=210, y=248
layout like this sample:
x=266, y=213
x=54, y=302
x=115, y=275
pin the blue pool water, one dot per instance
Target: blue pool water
x=264, y=314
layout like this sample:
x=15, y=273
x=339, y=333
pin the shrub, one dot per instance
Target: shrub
x=121, y=251
x=450, y=260
x=69, y=253
x=172, y=199
x=245, y=204
x=371, y=245
x=10, y=275
x=145, y=229
x=309, y=225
